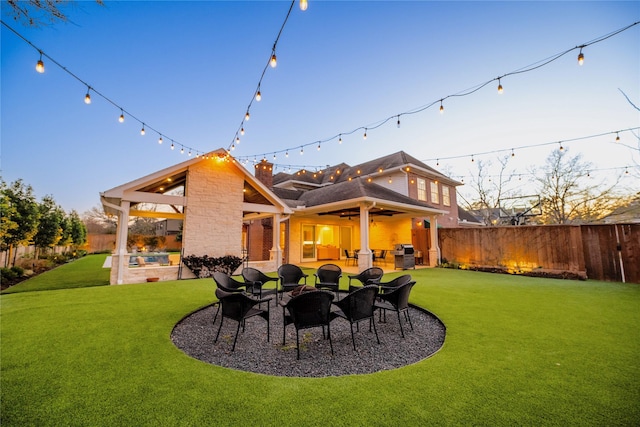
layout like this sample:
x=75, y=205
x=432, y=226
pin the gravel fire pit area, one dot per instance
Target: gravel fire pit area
x=195, y=336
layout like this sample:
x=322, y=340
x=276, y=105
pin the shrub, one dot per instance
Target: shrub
x=8, y=273
x=205, y=266
x=19, y=271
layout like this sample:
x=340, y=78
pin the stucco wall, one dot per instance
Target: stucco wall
x=213, y=220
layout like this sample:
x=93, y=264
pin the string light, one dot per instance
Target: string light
x=87, y=97
x=500, y=89
x=472, y=159
x=301, y=151
x=286, y=154
x=617, y=137
x=40, y=64
x=237, y=140
x=398, y=121
x=340, y=140
x=142, y=131
x=512, y=153
x=242, y=131
x=181, y=150
x=172, y=146
x=441, y=107
x=581, y=57
x=160, y=140
x=561, y=147
x=273, y=61
x=304, y=4
x=121, y=118
x=318, y=146
x=258, y=95
x=247, y=116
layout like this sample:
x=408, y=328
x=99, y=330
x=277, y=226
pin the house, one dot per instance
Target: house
x=295, y=218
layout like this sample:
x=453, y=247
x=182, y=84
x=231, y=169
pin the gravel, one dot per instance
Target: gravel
x=195, y=336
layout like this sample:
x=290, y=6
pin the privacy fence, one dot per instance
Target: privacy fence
x=609, y=252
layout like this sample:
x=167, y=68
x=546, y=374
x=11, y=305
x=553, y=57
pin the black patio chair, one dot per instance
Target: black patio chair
x=239, y=306
x=227, y=284
x=255, y=280
x=396, y=300
x=389, y=286
x=369, y=276
x=349, y=257
x=356, y=307
x=328, y=277
x=308, y=310
x=290, y=276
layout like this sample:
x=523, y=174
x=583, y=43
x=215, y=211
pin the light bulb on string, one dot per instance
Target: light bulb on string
x=247, y=116
x=181, y=150
x=500, y=89
x=274, y=156
x=437, y=162
x=142, y=131
x=561, y=147
x=121, y=118
x=233, y=147
x=472, y=159
x=365, y=134
x=273, y=61
x=242, y=131
x=580, y=57
x=398, y=123
x=441, y=107
x=258, y=95
x=40, y=65
x=160, y=140
x=301, y=151
x=172, y=146
x=87, y=97
x=304, y=4
x=237, y=140
x=512, y=153
x=286, y=154
x=189, y=153
x=318, y=146
x=340, y=140
x=617, y=137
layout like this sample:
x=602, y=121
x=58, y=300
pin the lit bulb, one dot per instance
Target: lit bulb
x=142, y=131
x=160, y=140
x=233, y=147
x=247, y=116
x=182, y=150
x=512, y=153
x=172, y=146
x=580, y=58
x=365, y=134
x=500, y=90
x=301, y=151
x=340, y=140
x=242, y=131
x=237, y=140
x=40, y=65
x=189, y=153
x=121, y=118
x=617, y=137
x=286, y=154
x=472, y=160
x=304, y=4
x=318, y=146
x=441, y=108
x=274, y=156
x=273, y=62
x=258, y=96
x=398, y=121
x=87, y=98
x=561, y=147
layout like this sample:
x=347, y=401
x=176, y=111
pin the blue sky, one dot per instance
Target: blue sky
x=189, y=70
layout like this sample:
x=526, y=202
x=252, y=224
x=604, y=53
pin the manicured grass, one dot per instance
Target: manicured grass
x=519, y=351
x=81, y=273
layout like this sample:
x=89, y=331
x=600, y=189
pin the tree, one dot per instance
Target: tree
x=50, y=225
x=98, y=222
x=35, y=13
x=569, y=195
x=78, y=230
x=23, y=211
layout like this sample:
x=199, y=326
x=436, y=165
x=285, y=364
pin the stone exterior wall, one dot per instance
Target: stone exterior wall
x=213, y=220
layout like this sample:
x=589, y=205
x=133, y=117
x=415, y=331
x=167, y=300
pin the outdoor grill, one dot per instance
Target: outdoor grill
x=404, y=256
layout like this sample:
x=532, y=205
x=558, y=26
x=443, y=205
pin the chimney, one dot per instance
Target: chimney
x=264, y=173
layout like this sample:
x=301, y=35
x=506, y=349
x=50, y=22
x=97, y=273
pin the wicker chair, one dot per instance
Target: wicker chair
x=397, y=300
x=227, y=284
x=239, y=306
x=328, y=277
x=308, y=310
x=389, y=286
x=349, y=257
x=255, y=280
x=290, y=276
x=356, y=307
x=369, y=276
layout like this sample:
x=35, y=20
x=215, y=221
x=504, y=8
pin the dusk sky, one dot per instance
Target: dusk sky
x=190, y=69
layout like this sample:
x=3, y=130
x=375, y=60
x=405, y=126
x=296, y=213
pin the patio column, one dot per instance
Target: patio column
x=434, y=249
x=276, y=250
x=121, y=255
x=364, y=256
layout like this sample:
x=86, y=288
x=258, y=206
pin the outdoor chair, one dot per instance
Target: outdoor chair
x=396, y=300
x=356, y=307
x=255, y=280
x=239, y=306
x=386, y=287
x=227, y=284
x=290, y=276
x=349, y=257
x=369, y=276
x=308, y=310
x=328, y=277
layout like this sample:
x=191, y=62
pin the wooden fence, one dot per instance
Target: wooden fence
x=608, y=252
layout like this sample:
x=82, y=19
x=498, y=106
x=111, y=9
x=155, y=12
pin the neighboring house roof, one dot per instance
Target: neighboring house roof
x=466, y=218
x=624, y=214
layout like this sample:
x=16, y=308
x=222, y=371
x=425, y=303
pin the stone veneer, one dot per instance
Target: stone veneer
x=213, y=216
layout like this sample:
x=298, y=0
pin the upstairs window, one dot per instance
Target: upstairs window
x=435, y=196
x=422, y=189
x=446, y=199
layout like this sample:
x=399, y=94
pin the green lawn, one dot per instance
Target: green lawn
x=519, y=351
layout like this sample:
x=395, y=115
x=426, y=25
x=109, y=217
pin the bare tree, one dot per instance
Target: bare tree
x=98, y=222
x=569, y=195
x=489, y=189
x=35, y=13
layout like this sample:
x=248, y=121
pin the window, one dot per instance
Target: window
x=435, y=197
x=422, y=189
x=446, y=200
